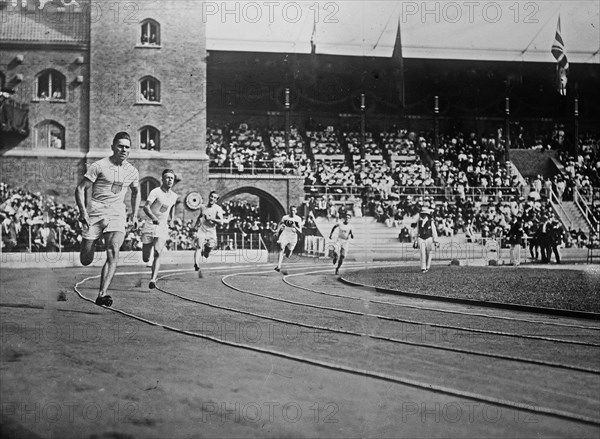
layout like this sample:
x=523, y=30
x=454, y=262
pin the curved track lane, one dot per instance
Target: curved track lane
x=334, y=365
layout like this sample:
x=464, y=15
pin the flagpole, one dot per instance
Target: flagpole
x=287, y=121
x=362, y=125
x=576, y=115
x=436, y=123
x=507, y=133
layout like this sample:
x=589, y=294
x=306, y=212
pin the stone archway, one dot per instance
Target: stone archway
x=271, y=203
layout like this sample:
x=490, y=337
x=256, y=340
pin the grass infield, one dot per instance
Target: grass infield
x=570, y=289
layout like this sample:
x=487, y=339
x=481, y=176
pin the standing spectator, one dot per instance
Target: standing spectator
x=560, y=188
x=555, y=238
x=544, y=239
x=10, y=231
x=42, y=237
x=515, y=236
x=547, y=187
x=532, y=231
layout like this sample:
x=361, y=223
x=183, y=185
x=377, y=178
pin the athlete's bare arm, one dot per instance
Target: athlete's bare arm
x=149, y=212
x=298, y=227
x=80, y=191
x=199, y=219
x=136, y=200
x=332, y=230
x=171, y=216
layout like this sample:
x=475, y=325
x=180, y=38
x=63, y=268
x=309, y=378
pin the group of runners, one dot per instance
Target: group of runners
x=105, y=216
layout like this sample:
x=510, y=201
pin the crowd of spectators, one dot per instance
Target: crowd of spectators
x=399, y=142
x=354, y=143
x=296, y=142
x=23, y=212
x=470, y=161
x=324, y=142
x=582, y=167
x=237, y=149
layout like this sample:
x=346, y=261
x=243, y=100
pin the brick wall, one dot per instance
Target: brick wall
x=119, y=62
x=71, y=114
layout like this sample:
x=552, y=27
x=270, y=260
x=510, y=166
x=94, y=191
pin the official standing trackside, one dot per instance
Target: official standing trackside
x=515, y=237
x=426, y=237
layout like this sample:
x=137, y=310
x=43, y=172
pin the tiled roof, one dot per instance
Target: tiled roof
x=39, y=26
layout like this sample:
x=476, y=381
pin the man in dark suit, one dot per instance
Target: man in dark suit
x=555, y=238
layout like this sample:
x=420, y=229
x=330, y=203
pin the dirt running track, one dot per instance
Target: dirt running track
x=297, y=363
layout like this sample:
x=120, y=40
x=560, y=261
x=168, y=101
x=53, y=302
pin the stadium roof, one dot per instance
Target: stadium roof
x=470, y=30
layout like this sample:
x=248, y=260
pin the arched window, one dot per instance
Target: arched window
x=51, y=86
x=146, y=185
x=50, y=134
x=149, y=89
x=150, y=138
x=150, y=33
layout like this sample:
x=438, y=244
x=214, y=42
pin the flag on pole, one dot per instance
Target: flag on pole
x=560, y=54
x=398, y=61
x=313, y=46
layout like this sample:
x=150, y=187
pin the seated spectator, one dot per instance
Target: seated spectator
x=404, y=235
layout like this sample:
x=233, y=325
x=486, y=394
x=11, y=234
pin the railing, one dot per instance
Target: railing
x=225, y=241
x=338, y=191
x=315, y=246
x=515, y=171
x=556, y=205
x=262, y=243
x=582, y=205
x=34, y=244
x=438, y=193
x=255, y=167
x=239, y=241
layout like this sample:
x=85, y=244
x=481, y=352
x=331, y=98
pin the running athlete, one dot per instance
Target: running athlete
x=341, y=242
x=289, y=227
x=155, y=233
x=108, y=180
x=211, y=214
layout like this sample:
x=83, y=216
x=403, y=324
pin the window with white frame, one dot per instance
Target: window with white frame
x=150, y=33
x=149, y=90
x=51, y=86
x=50, y=134
x=150, y=138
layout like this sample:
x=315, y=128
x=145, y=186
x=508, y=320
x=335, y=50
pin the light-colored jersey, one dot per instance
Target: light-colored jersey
x=289, y=222
x=110, y=185
x=343, y=231
x=212, y=212
x=161, y=203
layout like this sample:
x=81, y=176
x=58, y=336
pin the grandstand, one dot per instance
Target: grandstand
x=465, y=137
x=361, y=108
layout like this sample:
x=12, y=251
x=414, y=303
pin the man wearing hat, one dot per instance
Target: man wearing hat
x=555, y=238
x=426, y=237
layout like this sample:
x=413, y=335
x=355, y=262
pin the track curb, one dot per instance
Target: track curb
x=482, y=303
